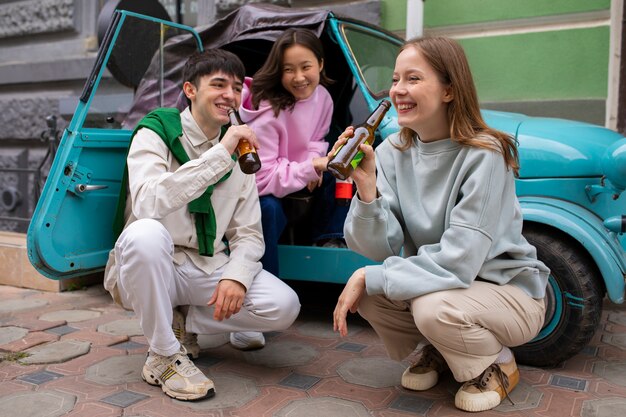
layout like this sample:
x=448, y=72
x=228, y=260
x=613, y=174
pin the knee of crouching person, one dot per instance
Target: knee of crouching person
x=427, y=313
x=145, y=237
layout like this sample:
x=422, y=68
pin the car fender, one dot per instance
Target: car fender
x=588, y=230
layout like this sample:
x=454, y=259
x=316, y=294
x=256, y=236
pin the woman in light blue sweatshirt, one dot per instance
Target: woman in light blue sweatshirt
x=436, y=205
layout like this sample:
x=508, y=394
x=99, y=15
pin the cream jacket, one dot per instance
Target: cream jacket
x=160, y=188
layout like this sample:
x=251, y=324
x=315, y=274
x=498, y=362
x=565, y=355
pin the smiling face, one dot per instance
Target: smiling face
x=211, y=98
x=420, y=97
x=300, y=71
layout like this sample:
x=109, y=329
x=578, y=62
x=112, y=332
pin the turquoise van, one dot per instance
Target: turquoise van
x=570, y=186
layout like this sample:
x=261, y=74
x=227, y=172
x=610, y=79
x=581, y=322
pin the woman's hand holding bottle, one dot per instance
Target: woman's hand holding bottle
x=364, y=175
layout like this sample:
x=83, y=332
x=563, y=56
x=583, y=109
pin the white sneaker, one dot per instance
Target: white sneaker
x=188, y=340
x=177, y=376
x=247, y=340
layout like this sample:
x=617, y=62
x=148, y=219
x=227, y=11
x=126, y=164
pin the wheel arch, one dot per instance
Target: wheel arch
x=585, y=230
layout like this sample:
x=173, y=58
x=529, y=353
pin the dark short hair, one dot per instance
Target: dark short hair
x=211, y=61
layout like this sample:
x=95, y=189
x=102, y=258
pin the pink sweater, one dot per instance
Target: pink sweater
x=288, y=142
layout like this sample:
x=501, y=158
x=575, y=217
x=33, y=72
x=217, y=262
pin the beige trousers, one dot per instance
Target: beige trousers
x=468, y=327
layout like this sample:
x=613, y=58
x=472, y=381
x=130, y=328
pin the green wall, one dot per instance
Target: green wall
x=567, y=66
x=460, y=12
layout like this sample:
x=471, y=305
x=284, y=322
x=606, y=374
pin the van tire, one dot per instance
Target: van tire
x=573, y=299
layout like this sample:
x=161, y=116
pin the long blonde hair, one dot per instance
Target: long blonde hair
x=467, y=126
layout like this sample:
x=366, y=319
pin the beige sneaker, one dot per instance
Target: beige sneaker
x=488, y=389
x=188, y=340
x=177, y=376
x=424, y=374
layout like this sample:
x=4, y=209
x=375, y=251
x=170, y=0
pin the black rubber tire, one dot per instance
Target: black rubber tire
x=574, y=300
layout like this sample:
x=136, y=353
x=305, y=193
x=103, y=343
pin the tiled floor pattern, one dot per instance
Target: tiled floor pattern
x=77, y=354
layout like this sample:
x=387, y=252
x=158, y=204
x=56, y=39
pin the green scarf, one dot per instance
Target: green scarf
x=166, y=123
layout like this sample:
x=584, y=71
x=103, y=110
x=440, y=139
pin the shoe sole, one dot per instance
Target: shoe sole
x=154, y=381
x=252, y=346
x=422, y=382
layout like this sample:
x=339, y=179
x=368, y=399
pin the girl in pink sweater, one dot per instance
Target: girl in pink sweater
x=290, y=111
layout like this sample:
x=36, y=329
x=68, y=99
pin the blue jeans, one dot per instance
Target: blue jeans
x=273, y=221
x=325, y=220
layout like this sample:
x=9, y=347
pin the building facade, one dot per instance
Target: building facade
x=559, y=58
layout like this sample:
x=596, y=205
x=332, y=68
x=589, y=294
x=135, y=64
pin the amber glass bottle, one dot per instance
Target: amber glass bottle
x=348, y=157
x=246, y=154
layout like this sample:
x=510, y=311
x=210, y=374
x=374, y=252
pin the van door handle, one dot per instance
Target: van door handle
x=81, y=188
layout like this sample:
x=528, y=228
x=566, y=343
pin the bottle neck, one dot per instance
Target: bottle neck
x=377, y=115
x=234, y=118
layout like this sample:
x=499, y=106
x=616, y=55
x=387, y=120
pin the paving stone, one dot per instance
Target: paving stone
x=28, y=341
x=372, y=372
x=61, y=330
x=613, y=371
x=617, y=340
x=324, y=330
x=230, y=391
x=323, y=406
x=609, y=407
x=303, y=382
x=70, y=316
x=56, y=352
x=351, y=347
x=590, y=350
x=124, y=399
x=206, y=361
x=117, y=370
x=617, y=317
x=35, y=325
x=97, y=338
x=279, y=354
x=11, y=333
x=130, y=345
x=127, y=327
x=524, y=397
x=40, y=377
x=36, y=404
x=576, y=384
x=14, y=306
x=411, y=404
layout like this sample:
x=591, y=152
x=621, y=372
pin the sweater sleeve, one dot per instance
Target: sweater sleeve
x=374, y=229
x=456, y=259
x=318, y=146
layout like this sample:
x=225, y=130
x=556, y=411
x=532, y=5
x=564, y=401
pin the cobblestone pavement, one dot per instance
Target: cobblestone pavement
x=78, y=354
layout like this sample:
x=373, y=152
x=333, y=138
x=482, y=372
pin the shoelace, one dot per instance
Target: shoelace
x=430, y=359
x=482, y=380
x=184, y=366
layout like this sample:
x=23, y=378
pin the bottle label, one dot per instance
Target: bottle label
x=357, y=159
x=343, y=189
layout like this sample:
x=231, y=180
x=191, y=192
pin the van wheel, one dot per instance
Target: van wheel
x=573, y=301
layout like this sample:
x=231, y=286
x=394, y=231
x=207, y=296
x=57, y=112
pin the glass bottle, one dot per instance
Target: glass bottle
x=348, y=156
x=246, y=154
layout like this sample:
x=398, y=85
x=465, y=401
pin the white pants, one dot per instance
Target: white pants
x=151, y=284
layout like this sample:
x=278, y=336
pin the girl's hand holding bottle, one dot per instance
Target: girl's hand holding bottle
x=364, y=175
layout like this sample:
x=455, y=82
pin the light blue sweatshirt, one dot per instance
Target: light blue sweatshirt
x=453, y=212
